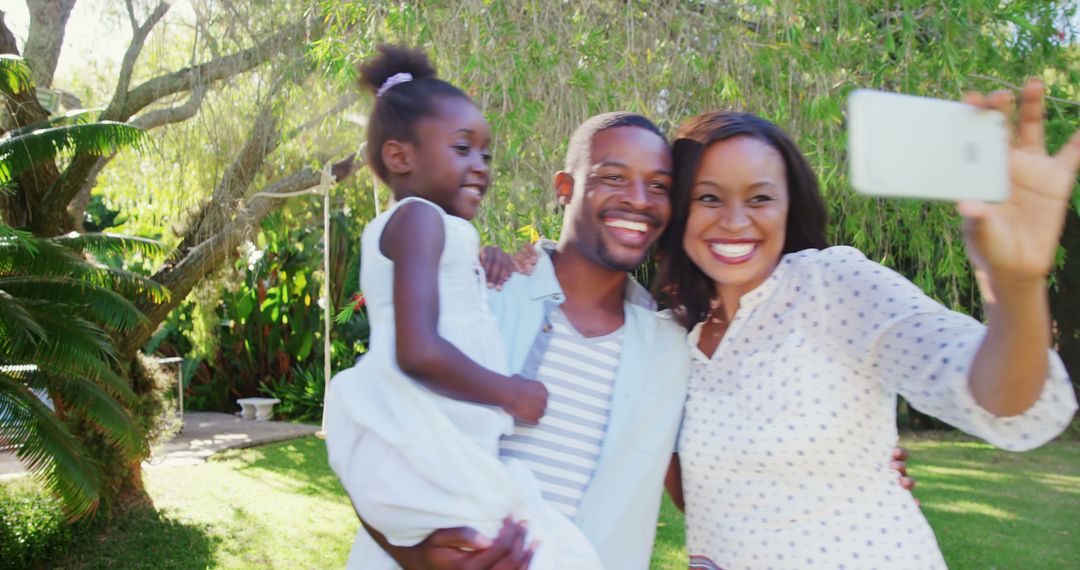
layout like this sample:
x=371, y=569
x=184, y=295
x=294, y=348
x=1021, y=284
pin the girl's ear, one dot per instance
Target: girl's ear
x=564, y=187
x=399, y=157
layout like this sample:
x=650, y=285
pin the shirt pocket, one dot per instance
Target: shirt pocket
x=774, y=382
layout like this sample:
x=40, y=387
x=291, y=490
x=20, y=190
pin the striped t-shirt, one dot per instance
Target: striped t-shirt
x=562, y=449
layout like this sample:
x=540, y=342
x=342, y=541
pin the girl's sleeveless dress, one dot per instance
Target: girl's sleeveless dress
x=413, y=461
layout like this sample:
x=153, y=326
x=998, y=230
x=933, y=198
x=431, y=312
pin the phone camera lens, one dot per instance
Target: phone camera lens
x=971, y=152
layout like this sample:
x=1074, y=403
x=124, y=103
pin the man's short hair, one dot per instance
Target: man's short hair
x=577, y=153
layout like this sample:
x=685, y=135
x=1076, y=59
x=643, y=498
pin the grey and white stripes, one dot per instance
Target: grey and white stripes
x=563, y=448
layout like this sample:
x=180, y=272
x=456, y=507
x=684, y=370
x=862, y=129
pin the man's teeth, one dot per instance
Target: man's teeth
x=627, y=225
x=732, y=249
x=474, y=190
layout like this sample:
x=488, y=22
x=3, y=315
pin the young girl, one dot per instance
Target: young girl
x=413, y=428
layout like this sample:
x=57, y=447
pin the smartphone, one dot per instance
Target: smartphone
x=916, y=147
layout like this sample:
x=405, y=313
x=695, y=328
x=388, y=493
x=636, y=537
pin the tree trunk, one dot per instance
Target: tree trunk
x=48, y=22
x=22, y=108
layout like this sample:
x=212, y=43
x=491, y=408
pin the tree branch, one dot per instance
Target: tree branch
x=150, y=120
x=138, y=39
x=53, y=216
x=214, y=70
x=131, y=16
x=263, y=139
x=344, y=102
x=179, y=113
x=180, y=278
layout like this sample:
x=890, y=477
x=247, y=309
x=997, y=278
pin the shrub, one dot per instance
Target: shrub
x=33, y=526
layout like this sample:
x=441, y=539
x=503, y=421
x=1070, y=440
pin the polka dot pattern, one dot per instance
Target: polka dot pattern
x=789, y=427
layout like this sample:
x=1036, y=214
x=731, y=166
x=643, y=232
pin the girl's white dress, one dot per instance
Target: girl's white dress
x=788, y=427
x=413, y=461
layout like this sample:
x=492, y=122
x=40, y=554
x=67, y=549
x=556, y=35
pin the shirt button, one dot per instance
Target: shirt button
x=546, y=328
x=558, y=297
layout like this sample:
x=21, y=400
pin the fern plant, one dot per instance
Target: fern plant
x=57, y=312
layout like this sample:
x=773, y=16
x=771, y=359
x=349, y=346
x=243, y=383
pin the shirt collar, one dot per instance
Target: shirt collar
x=544, y=283
x=768, y=286
x=748, y=301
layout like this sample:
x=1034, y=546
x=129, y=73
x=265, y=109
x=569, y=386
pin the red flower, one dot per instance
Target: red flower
x=358, y=301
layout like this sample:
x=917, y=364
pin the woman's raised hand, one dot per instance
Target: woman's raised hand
x=1014, y=242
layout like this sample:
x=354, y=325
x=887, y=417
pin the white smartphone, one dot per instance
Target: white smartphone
x=915, y=147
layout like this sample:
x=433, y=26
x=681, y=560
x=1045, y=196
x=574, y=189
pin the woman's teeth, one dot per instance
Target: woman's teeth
x=732, y=249
x=626, y=225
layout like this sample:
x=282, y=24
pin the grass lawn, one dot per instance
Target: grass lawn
x=279, y=506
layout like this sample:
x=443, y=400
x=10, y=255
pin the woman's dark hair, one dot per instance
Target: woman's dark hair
x=400, y=107
x=681, y=284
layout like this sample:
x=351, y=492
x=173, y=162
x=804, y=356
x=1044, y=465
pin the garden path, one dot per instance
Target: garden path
x=204, y=434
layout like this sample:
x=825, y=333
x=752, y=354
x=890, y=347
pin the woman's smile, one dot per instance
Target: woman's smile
x=732, y=251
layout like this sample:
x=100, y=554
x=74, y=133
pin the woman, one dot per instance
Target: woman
x=800, y=351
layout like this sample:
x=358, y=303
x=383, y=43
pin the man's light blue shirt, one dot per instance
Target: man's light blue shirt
x=619, y=509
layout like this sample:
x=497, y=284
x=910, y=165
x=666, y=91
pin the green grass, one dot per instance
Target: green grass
x=995, y=509
x=275, y=506
x=279, y=506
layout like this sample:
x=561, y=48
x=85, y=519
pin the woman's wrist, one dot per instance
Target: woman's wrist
x=1009, y=290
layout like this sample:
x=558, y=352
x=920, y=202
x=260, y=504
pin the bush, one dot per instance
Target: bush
x=33, y=526
x=301, y=393
x=258, y=330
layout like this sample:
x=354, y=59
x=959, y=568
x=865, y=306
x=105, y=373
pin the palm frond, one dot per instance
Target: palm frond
x=98, y=304
x=47, y=448
x=50, y=259
x=100, y=407
x=36, y=256
x=129, y=284
x=107, y=243
x=17, y=238
x=71, y=343
x=15, y=74
x=76, y=117
x=18, y=154
x=17, y=325
x=72, y=348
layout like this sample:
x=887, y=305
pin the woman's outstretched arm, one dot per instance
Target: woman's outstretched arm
x=1014, y=244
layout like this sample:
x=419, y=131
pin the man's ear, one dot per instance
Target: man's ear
x=564, y=187
x=398, y=156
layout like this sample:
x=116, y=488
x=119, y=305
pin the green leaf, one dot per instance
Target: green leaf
x=76, y=117
x=245, y=305
x=47, y=448
x=15, y=74
x=107, y=243
x=19, y=153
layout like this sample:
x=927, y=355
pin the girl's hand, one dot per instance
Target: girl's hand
x=526, y=258
x=528, y=399
x=1014, y=242
x=498, y=266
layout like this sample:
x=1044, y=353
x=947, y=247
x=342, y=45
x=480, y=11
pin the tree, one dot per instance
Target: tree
x=49, y=198
x=56, y=313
